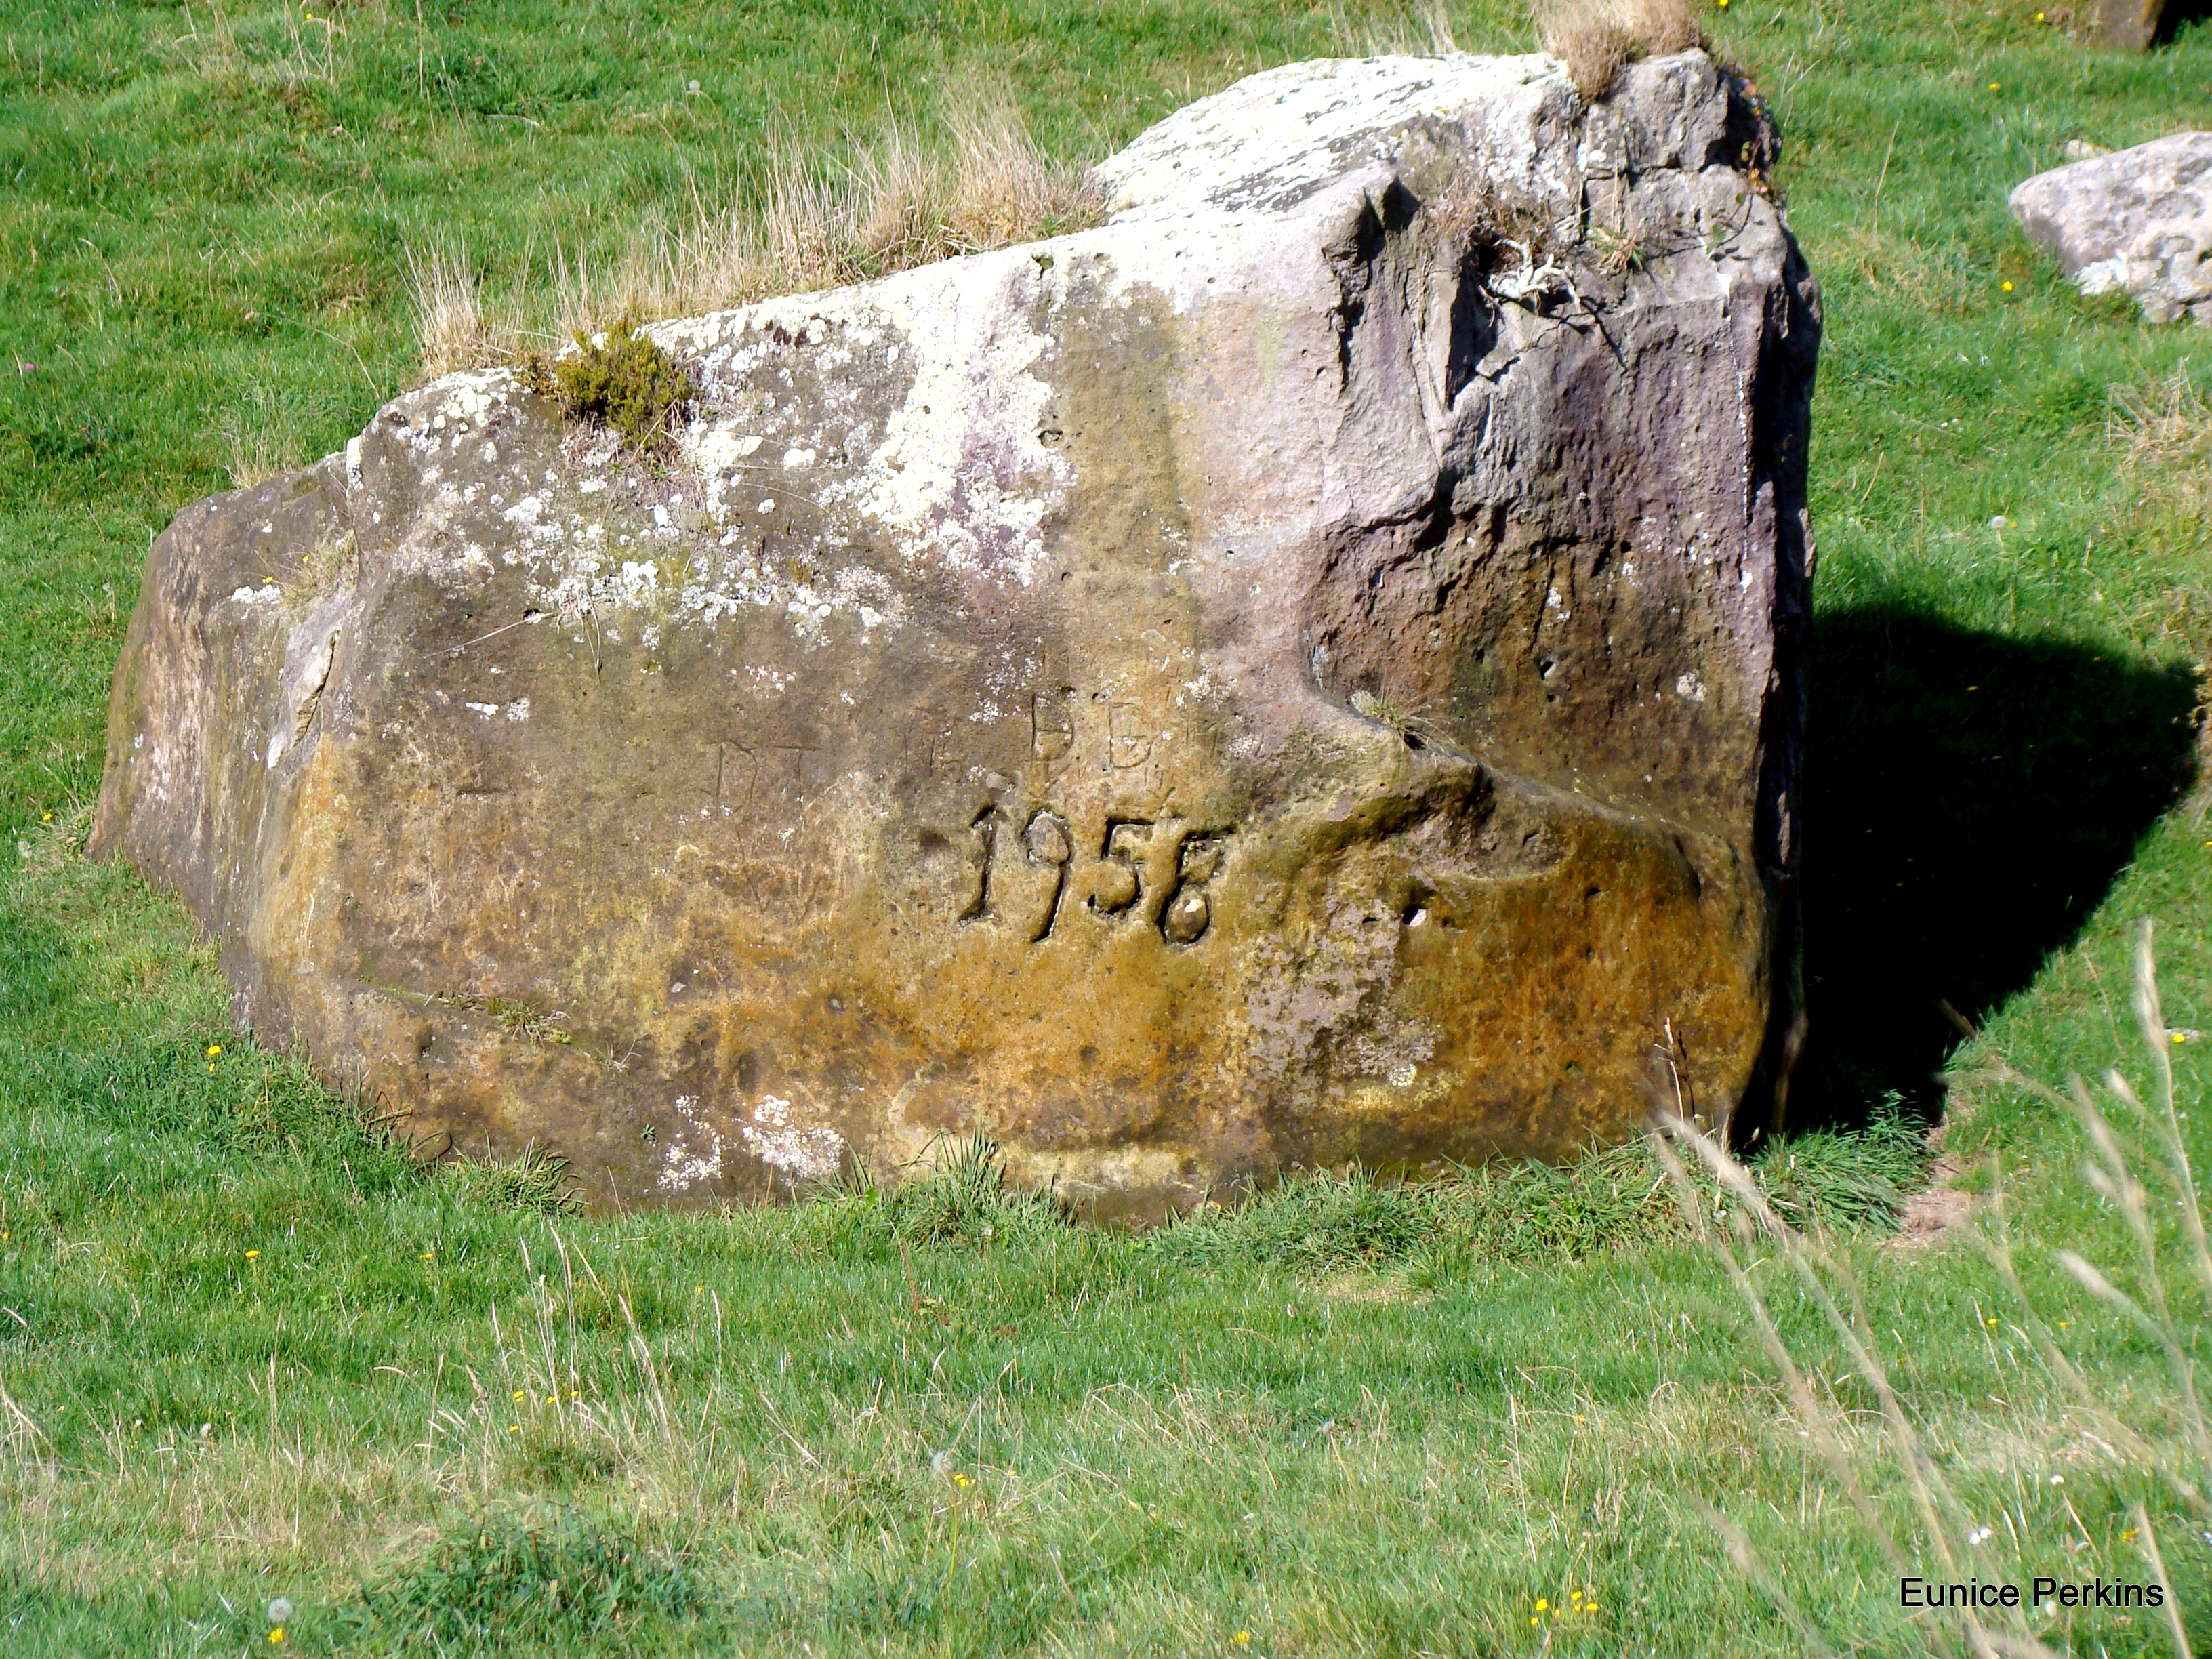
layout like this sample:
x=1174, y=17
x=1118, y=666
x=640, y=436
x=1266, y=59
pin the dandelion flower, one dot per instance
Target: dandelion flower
x=2008, y=288
x=251, y=1255
x=962, y=1481
x=514, y=1428
x=280, y=1611
x=1541, y=1604
x=214, y=1049
x=1993, y=86
x=2129, y=1536
x=518, y=1394
x=1241, y=1639
x=276, y=1637
x=427, y=1254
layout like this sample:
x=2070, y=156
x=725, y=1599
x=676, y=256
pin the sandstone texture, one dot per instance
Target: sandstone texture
x=2130, y=25
x=1307, y=670
x=2138, y=220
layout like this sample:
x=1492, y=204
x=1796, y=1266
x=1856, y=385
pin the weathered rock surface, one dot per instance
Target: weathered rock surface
x=1305, y=670
x=2138, y=220
x=2130, y=25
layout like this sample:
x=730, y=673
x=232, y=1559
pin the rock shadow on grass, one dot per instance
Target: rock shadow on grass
x=1970, y=799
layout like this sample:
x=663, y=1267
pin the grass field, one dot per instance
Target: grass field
x=247, y=1351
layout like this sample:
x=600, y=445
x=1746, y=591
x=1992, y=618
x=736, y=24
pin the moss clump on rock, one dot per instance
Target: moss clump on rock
x=624, y=381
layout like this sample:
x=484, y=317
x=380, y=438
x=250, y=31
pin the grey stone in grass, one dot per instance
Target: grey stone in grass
x=2137, y=221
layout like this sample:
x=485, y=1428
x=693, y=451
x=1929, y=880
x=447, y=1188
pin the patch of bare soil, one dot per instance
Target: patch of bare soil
x=1932, y=1212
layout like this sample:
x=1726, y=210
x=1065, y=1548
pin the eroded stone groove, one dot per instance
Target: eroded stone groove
x=1305, y=670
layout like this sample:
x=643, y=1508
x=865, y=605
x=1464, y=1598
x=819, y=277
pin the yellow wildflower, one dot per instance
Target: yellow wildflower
x=249, y=1254
x=214, y=1049
x=276, y=1637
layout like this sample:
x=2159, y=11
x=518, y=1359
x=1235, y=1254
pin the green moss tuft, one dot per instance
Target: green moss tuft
x=624, y=381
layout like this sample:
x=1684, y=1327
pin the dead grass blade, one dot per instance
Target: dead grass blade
x=1596, y=39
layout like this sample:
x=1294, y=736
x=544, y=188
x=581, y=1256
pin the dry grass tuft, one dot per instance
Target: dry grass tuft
x=450, y=326
x=260, y=439
x=1425, y=32
x=805, y=224
x=1596, y=38
x=2165, y=421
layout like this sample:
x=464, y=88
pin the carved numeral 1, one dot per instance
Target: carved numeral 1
x=985, y=829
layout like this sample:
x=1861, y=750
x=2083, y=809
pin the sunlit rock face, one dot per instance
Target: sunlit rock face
x=1305, y=670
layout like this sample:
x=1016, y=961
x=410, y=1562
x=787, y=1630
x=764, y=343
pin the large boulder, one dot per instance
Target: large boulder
x=1307, y=670
x=2137, y=221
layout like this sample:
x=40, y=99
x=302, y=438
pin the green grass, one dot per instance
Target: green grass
x=253, y=1352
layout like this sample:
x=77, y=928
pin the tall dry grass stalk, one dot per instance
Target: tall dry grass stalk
x=807, y=223
x=1945, y=1531
x=1424, y=32
x=451, y=328
x=1596, y=38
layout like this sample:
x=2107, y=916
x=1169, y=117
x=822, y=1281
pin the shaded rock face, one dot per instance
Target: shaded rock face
x=1305, y=670
x=2138, y=220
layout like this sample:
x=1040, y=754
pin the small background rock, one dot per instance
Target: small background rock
x=2135, y=220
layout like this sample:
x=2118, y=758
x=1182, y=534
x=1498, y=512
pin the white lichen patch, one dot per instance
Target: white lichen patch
x=691, y=1158
x=267, y=594
x=1279, y=134
x=801, y=1154
x=961, y=473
